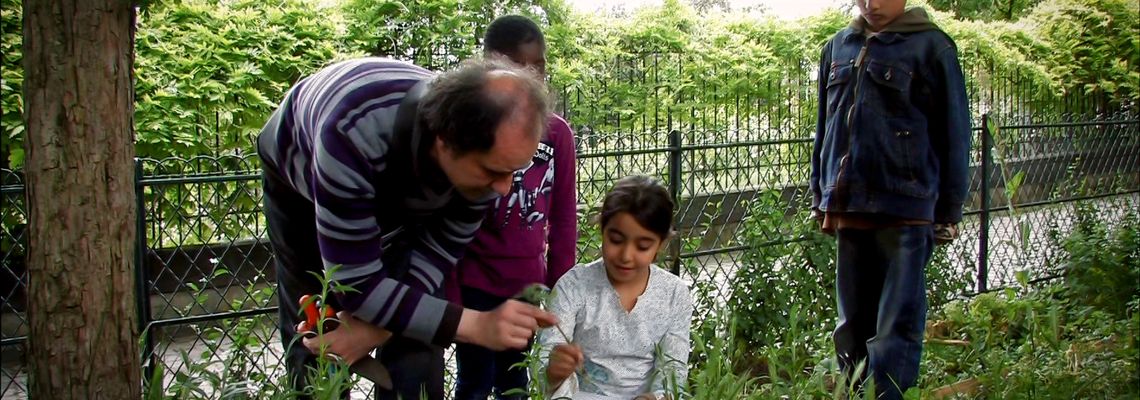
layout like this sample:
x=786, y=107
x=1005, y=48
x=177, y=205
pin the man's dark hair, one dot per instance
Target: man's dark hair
x=460, y=109
x=645, y=199
x=507, y=33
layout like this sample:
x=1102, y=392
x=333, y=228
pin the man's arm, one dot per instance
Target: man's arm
x=437, y=248
x=350, y=240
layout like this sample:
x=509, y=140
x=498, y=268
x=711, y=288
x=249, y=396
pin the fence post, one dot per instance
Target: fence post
x=141, y=292
x=984, y=228
x=675, y=191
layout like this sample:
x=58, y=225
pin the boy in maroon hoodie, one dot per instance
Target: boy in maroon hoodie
x=528, y=236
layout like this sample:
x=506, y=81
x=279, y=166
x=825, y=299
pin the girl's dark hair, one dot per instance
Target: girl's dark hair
x=645, y=199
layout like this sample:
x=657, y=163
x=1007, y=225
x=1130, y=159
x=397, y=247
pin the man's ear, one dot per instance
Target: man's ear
x=438, y=147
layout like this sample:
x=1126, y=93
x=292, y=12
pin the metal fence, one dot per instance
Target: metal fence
x=207, y=283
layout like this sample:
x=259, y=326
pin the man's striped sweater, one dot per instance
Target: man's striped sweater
x=332, y=141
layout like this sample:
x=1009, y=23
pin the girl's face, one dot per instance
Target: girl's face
x=628, y=249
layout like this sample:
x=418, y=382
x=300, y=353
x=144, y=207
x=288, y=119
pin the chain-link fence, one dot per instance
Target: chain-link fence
x=207, y=272
x=205, y=276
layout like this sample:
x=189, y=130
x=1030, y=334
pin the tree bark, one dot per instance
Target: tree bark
x=79, y=106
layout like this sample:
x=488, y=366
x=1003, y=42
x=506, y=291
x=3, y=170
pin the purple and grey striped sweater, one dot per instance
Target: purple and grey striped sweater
x=332, y=141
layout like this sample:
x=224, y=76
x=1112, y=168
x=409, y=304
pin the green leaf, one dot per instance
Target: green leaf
x=1026, y=233
x=1014, y=184
x=1022, y=277
x=16, y=158
x=219, y=272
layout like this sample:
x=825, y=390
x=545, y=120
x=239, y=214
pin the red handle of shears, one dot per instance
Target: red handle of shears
x=312, y=317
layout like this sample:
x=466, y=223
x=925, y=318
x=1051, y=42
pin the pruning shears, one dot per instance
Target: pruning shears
x=312, y=317
x=368, y=367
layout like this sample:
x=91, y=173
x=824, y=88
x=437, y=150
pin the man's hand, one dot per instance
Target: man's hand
x=353, y=340
x=564, y=360
x=945, y=233
x=508, y=327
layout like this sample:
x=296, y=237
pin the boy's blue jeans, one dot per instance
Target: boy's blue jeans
x=479, y=369
x=881, y=290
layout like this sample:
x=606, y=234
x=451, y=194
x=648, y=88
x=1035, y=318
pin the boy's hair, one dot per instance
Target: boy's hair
x=507, y=33
x=645, y=199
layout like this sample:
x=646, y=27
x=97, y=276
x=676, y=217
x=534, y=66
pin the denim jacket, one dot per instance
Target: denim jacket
x=893, y=133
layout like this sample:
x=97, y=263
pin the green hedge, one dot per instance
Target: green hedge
x=210, y=71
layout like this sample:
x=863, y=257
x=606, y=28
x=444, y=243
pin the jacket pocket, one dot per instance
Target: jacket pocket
x=837, y=80
x=892, y=87
x=905, y=155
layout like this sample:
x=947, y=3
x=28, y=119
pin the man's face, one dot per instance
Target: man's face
x=880, y=13
x=476, y=175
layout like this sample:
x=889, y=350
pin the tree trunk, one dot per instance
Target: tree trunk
x=79, y=104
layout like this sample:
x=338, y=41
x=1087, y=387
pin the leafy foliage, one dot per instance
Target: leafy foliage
x=210, y=72
x=1094, y=47
x=433, y=33
x=788, y=261
x=986, y=10
x=11, y=84
x=1103, y=264
x=233, y=363
x=1076, y=338
x=668, y=68
x=1033, y=345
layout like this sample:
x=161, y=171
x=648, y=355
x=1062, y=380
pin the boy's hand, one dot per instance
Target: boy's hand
x=945, y=233
x=817, y=216
x=564, y=360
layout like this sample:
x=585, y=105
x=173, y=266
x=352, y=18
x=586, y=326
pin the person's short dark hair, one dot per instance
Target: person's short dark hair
x=507, y=33
x=460, y=110
x=645, y=199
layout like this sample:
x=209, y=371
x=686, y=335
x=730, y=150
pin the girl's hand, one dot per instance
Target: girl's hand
x=564, y=360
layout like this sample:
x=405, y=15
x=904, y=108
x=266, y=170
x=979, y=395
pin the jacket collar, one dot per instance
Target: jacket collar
x=915, y=19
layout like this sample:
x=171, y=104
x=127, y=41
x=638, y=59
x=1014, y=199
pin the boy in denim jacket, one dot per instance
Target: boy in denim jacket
x=889, y=170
